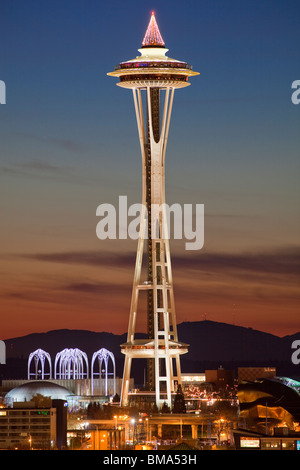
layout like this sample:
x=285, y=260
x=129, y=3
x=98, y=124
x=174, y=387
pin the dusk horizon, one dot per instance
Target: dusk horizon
x=184, y=322
x=68, y=143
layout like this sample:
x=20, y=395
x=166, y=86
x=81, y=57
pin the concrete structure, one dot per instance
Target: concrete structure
x=149, y=428
x=157, y=75
x=106, y=439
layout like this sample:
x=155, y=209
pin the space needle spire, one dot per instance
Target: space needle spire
x=153, y=37
x=154, y=77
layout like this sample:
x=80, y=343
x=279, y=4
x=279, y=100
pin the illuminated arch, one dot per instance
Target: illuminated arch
x=103, y=355
x=72, y=364
x=39, y=357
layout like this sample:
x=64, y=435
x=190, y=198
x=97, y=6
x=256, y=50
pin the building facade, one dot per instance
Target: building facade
x=26, y=426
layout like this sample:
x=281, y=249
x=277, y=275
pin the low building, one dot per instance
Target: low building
x=77, y=392
x=247, y=440
x=192, y=378
x=28, y=426
x=78, y=387
x=253, y=373
x=27, y=390
x=221, y=378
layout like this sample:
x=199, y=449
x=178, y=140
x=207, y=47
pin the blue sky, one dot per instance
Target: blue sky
x=68, y=142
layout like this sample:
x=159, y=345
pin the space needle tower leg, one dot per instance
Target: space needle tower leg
x=140, y=250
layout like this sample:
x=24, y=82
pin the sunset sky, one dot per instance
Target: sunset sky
x=69, y=142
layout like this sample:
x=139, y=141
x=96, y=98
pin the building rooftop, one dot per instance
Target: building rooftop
x=28, y=390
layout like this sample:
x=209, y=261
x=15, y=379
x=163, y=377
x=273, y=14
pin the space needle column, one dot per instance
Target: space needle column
x=156, y=75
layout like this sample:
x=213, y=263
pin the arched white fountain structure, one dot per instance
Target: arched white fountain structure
x=71, y=364
x=39, y=356
x=103, y=356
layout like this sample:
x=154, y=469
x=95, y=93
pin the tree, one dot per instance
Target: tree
x=179, y=403
x=116, y=398
x=165, y=408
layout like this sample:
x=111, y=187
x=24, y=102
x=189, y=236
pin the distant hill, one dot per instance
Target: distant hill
x=212, y=344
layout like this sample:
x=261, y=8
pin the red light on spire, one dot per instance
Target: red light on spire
x=153, y=37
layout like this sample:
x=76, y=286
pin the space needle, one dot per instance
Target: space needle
x=153, y=78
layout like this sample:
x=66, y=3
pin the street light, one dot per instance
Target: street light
x=133, y=426
x=147, y=429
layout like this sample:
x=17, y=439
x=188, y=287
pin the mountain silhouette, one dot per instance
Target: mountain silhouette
x=211, y=345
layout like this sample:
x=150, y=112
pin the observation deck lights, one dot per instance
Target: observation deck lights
x=147, y=347
x=153, y=67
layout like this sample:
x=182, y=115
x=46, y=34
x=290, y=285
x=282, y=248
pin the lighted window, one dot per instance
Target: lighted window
x=250, y=443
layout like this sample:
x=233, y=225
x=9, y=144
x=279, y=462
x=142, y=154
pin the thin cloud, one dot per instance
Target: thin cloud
x=35, y=168
x=70, y=145
x=277, y=262
x=96, y=288
x=89, y=258
x=46, y=295
x=39, y=165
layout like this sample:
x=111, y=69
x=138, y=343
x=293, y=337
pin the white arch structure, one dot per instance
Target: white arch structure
x=103, y=355
x=39, y=357
x=73, y=364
